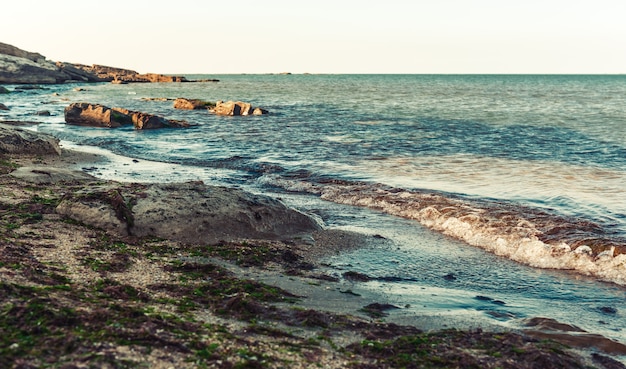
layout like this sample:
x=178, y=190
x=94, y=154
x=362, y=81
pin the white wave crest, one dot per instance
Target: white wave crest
x=500, y=231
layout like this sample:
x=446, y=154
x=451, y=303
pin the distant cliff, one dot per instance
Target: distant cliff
x=18, y=66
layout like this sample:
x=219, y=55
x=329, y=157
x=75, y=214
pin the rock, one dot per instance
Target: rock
x=122, y=76
x=47, y=175
x=96, y=115
x=78, y=74
x=236, y=108
x=11, y=50
x=3, y=107
x=3, y=90
x=149, y=121
x=43, y=113
x=156, y=99
x=19, y=66
x=186, y=212
x=571, y=335
x=191, y=104
x=15, y=140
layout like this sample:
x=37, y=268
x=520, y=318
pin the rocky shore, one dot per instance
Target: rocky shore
x=107, y=274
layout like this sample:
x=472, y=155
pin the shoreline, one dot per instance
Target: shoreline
x=326, y=299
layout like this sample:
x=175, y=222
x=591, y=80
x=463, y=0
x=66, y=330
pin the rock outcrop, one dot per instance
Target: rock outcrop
x=96, y=115
x=20, y=66
x=187, y=212
x=236, y=108
x=19, y=141
x=120, y=75
x=191, y=104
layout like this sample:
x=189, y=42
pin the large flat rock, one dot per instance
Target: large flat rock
x=189, y=212
x=14, y=140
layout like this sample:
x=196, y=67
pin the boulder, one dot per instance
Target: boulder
x=3, y=90
x=15, y=140
x=96, y=115
x=236, y=108
x=3, y=107
x=186, y=212
x=191, y=104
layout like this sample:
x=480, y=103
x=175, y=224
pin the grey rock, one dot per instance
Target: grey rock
x=14, y=140
x=48, y=175
x=189, y=212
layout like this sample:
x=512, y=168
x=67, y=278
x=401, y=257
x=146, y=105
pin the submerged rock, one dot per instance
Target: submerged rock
x=14, y=140
x=96, y=115
x=187, y=212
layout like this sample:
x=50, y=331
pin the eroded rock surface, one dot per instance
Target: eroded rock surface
x=15, y=140
x=96, y=115
x=189, y=212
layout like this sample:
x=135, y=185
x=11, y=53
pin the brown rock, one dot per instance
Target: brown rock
x=121, y=76
x=236, y=108
x=190, y=104
x=96, y=115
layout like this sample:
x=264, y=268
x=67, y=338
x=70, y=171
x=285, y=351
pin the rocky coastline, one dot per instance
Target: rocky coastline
x=97, y=273
x=186, y=275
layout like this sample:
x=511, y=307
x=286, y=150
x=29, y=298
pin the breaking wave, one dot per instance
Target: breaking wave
x=527, y=235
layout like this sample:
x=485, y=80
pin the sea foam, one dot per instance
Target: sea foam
x=533, y=237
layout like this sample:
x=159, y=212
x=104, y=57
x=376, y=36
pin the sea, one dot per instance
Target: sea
x=496, y=198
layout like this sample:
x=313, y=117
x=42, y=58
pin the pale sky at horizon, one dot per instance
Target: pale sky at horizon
x=273, y=36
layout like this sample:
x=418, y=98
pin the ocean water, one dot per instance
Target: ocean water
x=514, y=185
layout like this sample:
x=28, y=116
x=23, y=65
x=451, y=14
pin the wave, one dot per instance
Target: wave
x=527, y=235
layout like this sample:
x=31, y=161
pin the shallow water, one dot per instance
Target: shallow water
x=527, y=167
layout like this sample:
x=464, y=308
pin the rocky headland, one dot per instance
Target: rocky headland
x=18, y=66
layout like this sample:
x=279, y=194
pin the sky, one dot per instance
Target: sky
x=323, y=36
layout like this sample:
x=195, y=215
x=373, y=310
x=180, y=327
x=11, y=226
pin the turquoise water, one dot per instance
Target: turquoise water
x=500, y=180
